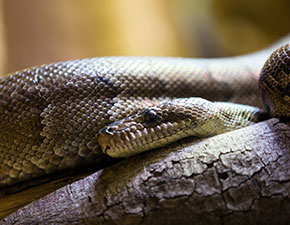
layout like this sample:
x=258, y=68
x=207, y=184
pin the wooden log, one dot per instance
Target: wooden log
x=240, y=177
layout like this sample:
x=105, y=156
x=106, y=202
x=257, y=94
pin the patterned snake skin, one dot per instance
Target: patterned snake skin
x=50, y=115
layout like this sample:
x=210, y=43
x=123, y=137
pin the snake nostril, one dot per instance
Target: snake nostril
x=105, y=130
x=109, y=130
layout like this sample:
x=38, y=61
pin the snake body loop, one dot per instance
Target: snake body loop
x=56, y=117
x=275, y=83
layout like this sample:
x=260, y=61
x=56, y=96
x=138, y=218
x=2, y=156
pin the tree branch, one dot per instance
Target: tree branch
x=240, y=177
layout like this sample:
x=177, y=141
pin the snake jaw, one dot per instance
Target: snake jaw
x=129, y=142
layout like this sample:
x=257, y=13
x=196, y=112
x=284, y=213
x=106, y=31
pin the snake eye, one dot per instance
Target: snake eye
x=151, y=117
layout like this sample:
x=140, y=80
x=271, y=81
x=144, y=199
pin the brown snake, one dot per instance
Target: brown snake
x=53, y=117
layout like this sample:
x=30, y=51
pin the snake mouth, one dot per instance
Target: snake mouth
x=124, y=143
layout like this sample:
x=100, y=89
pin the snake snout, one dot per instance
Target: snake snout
x=115, y=138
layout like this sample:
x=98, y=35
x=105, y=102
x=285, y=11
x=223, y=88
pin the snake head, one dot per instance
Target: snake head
x=152, y=128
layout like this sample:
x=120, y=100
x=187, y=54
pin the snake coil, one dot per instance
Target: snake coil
x=275, y=83
x=56, y=117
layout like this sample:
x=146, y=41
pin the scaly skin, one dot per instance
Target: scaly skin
x=50, y=115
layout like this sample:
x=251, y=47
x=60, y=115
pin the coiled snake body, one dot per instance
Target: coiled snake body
x=53, y=117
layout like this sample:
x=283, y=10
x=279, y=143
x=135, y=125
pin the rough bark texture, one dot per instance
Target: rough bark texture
x=12, y=201
x=241, y=177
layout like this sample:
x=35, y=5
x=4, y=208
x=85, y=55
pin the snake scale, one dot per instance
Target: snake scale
x=54, y=117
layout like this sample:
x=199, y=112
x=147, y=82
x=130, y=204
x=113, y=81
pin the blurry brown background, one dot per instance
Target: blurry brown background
x=41, y=31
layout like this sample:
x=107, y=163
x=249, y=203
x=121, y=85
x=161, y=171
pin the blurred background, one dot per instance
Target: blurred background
x=41, y=31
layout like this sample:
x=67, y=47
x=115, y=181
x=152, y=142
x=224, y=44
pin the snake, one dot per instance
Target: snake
x=66, y=115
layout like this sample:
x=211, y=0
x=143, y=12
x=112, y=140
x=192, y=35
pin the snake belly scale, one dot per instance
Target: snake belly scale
x=52, y=116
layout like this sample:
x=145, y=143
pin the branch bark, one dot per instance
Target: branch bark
x=240, y=177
